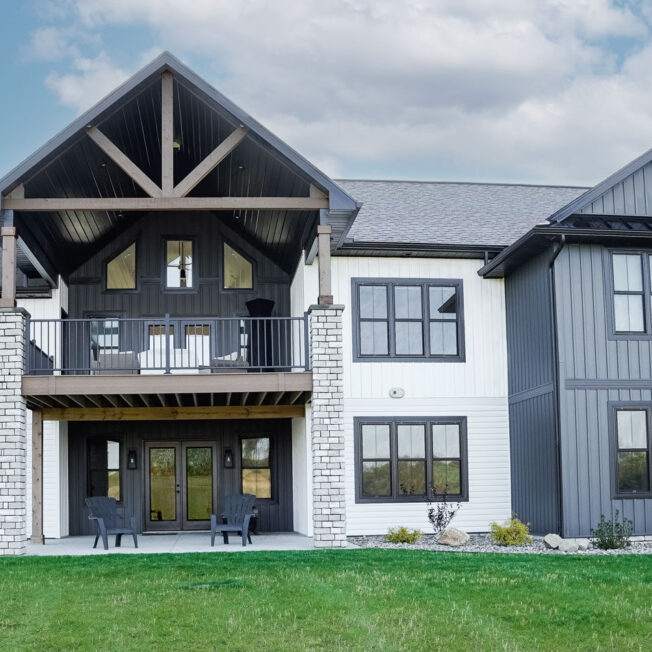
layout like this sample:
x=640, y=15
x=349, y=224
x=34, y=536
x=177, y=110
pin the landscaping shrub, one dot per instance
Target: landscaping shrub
x=513, y=533
x=441, y=513
x=611, y=535
x=403, y=535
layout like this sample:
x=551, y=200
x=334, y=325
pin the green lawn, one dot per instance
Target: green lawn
x=355, y=599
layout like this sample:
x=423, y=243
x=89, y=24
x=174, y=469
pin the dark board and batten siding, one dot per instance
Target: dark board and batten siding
x=531, y=397
x=274, y=515
x=208, y=299
x=594, y=370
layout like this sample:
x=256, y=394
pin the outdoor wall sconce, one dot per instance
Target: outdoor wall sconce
x=228, y=458
x=132, y=460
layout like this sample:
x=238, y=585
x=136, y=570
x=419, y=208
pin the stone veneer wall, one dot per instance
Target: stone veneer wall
x=13, y=434
x=327, y=426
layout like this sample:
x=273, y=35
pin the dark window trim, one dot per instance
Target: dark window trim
x=121, y=468
x=252, y=262
x=105, y=275
x=612, y=334
x=195, y=275
x=393, y=422
x=272, y=465
x=390, y=283
x=613, y=407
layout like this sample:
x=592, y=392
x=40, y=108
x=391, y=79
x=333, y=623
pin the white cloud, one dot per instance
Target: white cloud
x=502, y=89
x=89, y=82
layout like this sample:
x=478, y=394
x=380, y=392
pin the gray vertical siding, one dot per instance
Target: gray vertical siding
x=274, y=516
x=87, y=294
x=594, y=370
x=631, y=196
x=531, y=396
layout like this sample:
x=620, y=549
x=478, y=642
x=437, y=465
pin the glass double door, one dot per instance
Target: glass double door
x=180, y=485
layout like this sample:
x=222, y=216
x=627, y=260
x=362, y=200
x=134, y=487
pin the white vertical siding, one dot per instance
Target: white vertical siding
x=302, y=476
x=55, y=441
x=475, y=389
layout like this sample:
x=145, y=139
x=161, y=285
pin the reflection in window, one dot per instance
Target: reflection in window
x=238, y=271
x=633, y=451
x=628, y=293
x=104, y=468
x=179, y=264
x=121, y=270
x=411, y=460
x=256, y=467
x=411, y=319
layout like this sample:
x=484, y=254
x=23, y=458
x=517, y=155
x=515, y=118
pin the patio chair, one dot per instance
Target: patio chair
x=236, y=516
x=104, y=511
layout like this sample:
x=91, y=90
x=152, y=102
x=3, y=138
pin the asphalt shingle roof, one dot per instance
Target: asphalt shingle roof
x=451, y=213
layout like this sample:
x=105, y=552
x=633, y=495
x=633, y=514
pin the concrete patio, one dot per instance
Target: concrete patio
x=166, y=543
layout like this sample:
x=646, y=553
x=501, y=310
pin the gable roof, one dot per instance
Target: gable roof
x=451, y=213
x=626, y=192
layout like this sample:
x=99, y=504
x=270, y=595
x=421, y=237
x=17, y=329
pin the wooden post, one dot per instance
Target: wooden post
x=9, y=236
x=167, y=134
x=324, y=253
x=37, y=477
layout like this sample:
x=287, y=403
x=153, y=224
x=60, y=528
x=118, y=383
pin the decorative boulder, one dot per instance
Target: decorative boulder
x=583, y=544
x=451, y=536
x=552, y=541
x=568, y=546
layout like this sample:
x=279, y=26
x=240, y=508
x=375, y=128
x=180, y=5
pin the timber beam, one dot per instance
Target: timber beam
x=174, y=413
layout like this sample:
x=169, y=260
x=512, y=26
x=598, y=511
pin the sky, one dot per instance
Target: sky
x=525, y=91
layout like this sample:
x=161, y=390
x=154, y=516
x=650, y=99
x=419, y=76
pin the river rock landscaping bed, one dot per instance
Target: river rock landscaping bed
x=484, y=543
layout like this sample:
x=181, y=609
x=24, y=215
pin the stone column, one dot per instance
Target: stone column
x=327, y=426
x=13, y=433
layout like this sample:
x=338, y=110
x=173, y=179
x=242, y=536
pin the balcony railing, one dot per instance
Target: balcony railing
x=115, y=345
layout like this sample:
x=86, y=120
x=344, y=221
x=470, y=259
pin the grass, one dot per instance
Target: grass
x=356, y=599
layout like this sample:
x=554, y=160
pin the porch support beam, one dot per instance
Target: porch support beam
x=210, y=162
x=37, y=477
x=174, y=413
x=167, y=133
x=123, y=162
x=325, y=291
x=9, y=237
x=55, y=204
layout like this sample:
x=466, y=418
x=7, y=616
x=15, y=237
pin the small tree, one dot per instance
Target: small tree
x=441, y=513
x=611, y=535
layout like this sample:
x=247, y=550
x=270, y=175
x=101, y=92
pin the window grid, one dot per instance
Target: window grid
x=625, y=452
x=395, y=493
x=627, y=268
x=391, y=320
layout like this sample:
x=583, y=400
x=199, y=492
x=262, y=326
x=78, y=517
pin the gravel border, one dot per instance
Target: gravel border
x=484, y=543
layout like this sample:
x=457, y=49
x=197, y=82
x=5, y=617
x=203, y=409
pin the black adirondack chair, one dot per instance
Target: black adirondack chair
x=237, y=515
x=104, y=511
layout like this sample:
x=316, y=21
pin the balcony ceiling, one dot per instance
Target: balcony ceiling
x=73, y=166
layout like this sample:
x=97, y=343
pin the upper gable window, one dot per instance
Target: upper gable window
x=406, y=319
x=121, y=270
x=238, y=270
x=179, y=264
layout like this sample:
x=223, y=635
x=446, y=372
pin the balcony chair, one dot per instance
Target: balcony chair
x=237, y=516
x=116, y=364
x=104, y=511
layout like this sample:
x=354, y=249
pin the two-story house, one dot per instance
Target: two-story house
x=191, y=309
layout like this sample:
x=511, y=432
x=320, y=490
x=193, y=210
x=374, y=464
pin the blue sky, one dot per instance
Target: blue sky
x=547, y=91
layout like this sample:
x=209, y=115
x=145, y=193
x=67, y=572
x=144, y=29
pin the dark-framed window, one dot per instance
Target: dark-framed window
x=120, y=270
x=256, y=466
x=632, y=450
x=408, y=319
x=179, y=268
x=410, y=459
x=237, y=269
x=105, y=467
x=629, y=286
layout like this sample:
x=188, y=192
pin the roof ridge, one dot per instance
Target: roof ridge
x=464, y=183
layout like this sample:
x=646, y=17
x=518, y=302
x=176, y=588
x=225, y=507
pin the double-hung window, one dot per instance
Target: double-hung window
x=410, y=459
x=632, y=449
x=104, y=468
x=406, y=319
x=631, y=294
